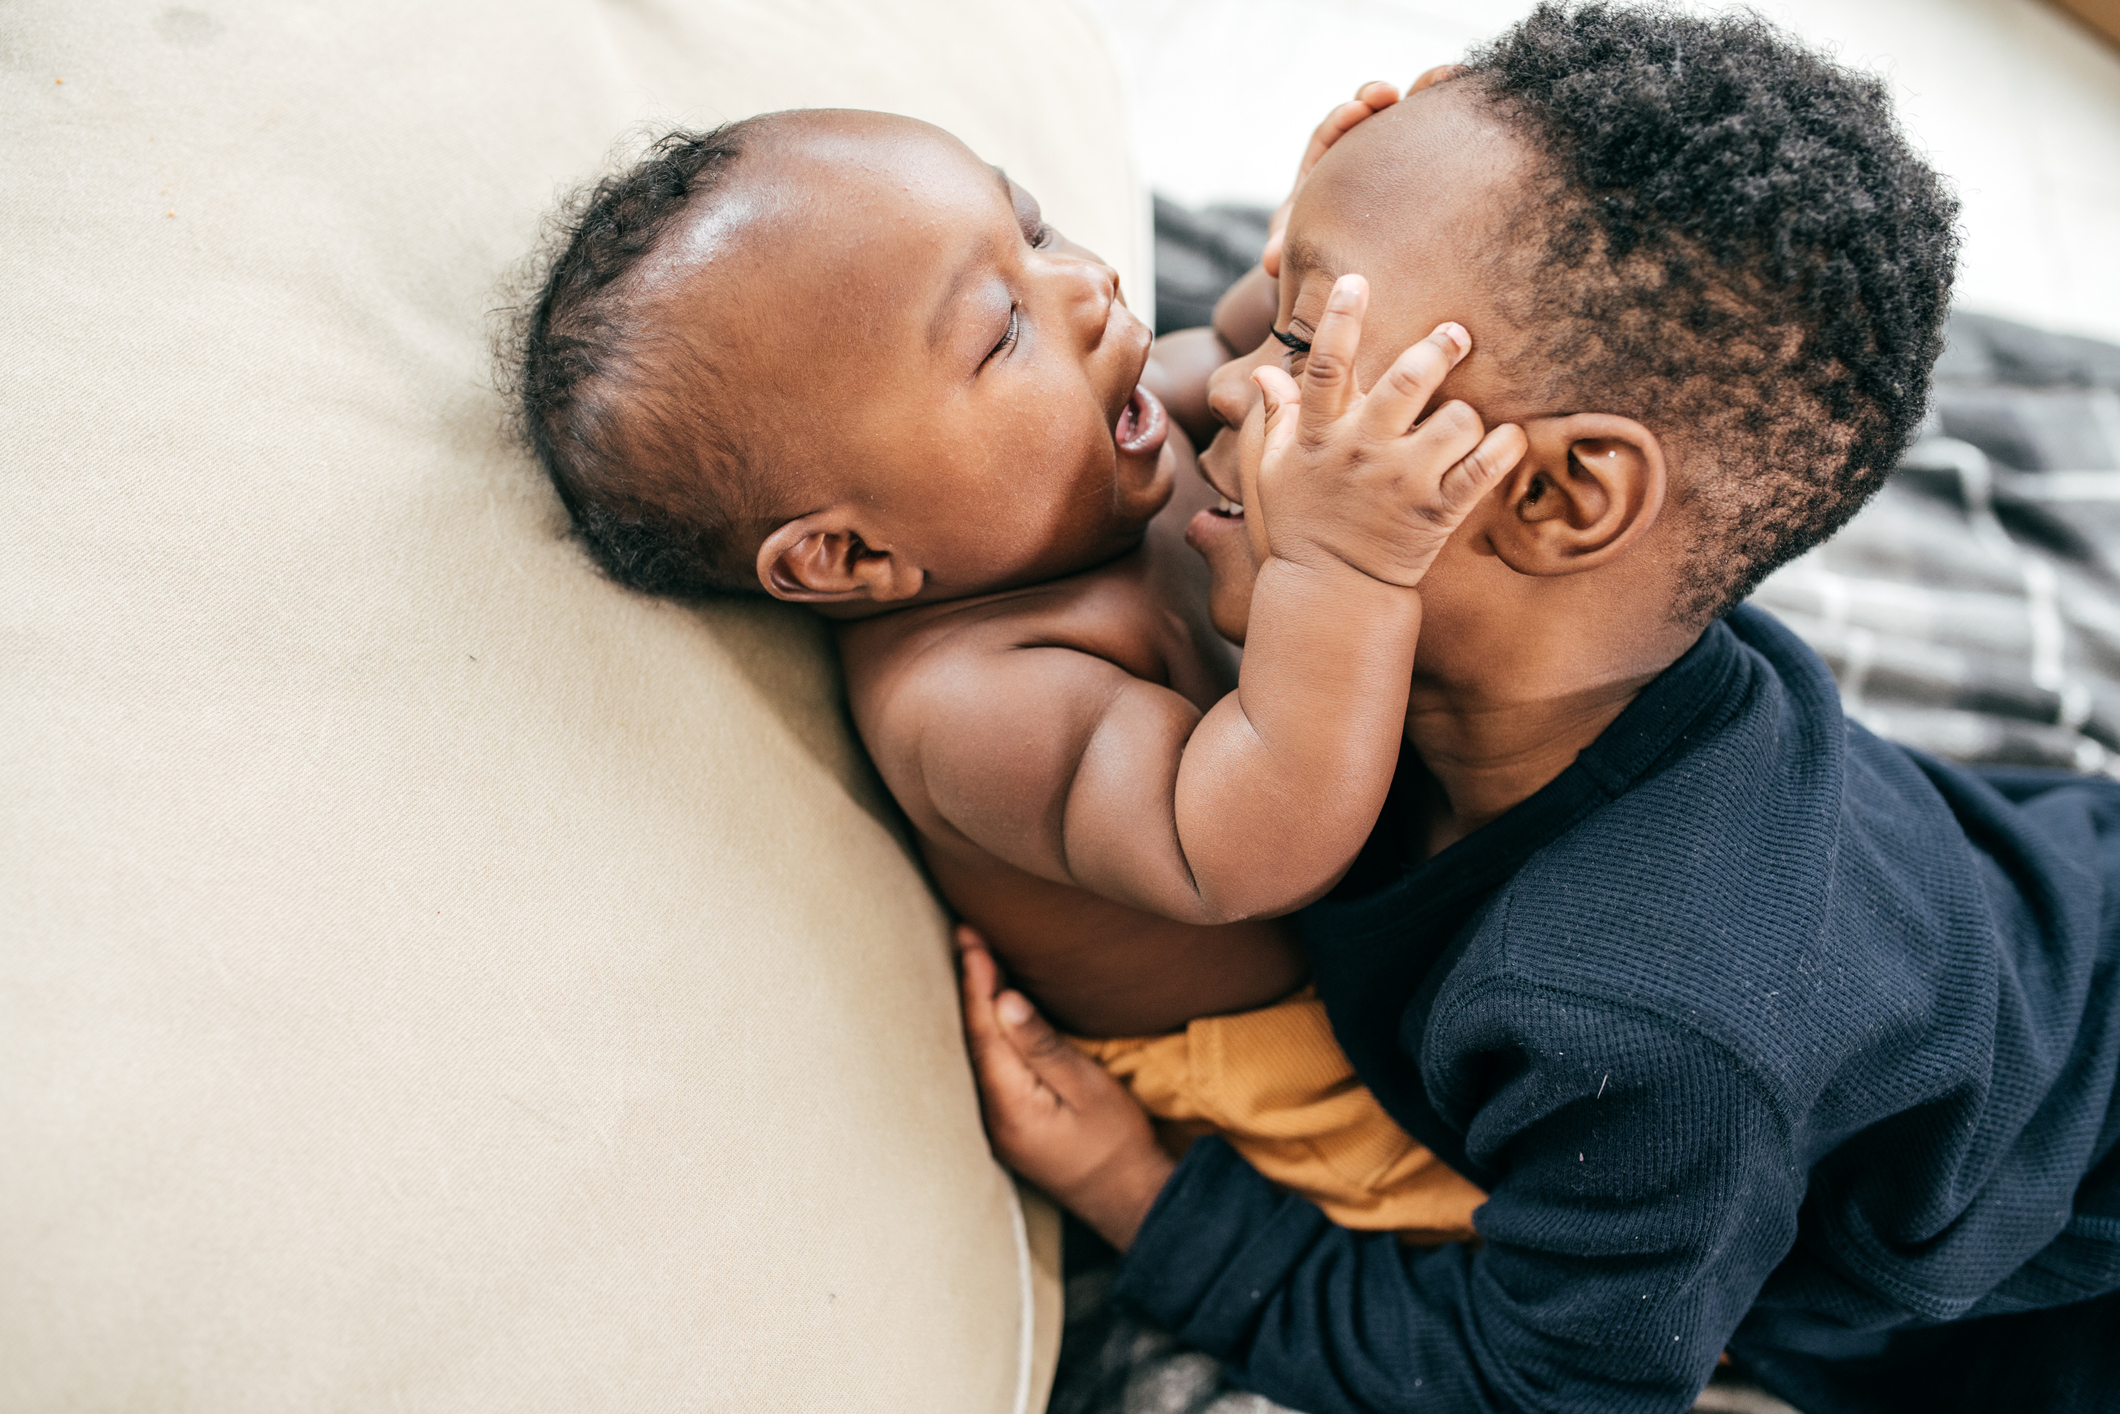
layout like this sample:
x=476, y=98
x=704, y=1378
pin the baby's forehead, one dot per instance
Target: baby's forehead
x=824, y=205
x=845, y=170
x=803, y=273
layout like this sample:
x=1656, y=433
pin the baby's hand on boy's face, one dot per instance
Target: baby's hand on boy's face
x=1350, y=477
x=1054, y=1115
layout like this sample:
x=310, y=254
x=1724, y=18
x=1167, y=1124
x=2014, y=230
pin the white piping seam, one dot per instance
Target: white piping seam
x=1027, y=1341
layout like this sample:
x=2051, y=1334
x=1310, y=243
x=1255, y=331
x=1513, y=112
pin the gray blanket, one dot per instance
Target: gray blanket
x=1973, y=608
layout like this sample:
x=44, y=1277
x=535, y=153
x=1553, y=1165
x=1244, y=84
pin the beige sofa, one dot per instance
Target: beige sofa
x=434, y=979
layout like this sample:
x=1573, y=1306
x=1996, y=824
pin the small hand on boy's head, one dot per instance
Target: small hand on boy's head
x=854, y=367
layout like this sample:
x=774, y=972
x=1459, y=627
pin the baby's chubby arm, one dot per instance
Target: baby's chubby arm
x=1066, y=764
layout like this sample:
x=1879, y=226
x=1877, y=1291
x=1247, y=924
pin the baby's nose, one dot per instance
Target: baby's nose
x=1093, y=285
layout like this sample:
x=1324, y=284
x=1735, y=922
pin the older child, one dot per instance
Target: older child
x=835, y=358
x=1763, y=1035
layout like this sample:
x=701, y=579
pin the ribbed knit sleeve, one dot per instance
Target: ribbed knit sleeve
x=1648, y=1186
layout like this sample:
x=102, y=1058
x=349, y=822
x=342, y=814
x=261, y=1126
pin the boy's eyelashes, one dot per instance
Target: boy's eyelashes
x=1295, y=345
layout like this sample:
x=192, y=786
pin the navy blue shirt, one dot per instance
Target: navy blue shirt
x=1760, y=1032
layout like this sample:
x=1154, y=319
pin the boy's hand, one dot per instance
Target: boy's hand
x=1348, y=477
x=1054, y=1115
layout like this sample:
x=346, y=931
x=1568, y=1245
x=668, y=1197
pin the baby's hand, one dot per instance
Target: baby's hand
x=1348, y=477
x=1054, y=1115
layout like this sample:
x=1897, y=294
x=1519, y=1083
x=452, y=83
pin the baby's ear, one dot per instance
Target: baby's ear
x=824, y=558
x=1589, y=485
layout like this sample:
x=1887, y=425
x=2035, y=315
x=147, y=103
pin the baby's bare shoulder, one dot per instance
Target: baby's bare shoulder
x=994, y=686
x=1107, y=614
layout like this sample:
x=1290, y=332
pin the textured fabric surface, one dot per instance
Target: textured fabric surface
x=1198, y=255
x=1278, y=1088
x=433, y=978
x=1973, y=608
x=1748, y=1017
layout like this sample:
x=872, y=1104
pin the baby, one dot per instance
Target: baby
x=836, y=358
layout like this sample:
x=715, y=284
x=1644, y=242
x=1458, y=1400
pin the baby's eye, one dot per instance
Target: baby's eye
x=1040, y=235
x=1008, y=336
x=1295, y=345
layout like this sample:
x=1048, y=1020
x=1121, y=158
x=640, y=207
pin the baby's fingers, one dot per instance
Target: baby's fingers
x=1279, y=398
x=1371, y=98
x=1396, y=402
x=1328, y=369
x=1481, y=469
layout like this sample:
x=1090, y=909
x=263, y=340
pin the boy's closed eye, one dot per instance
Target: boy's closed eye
x=1298, y=347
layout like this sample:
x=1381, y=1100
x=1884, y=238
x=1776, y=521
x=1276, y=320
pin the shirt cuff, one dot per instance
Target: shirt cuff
x=1213, y=1249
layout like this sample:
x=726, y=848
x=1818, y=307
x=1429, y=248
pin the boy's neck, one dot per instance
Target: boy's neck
x=1486, y=750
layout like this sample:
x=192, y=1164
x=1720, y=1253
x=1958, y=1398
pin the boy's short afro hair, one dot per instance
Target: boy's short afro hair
x=653, y=488
x=1737, y=247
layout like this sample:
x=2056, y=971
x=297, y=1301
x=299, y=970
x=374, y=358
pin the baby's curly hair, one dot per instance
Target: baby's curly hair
x=1738, y=245
x=644, y=477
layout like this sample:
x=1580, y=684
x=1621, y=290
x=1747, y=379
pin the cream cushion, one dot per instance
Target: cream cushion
x=433, y=978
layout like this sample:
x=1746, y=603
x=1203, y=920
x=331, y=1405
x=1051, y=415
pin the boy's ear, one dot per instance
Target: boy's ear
x=1588, y=487
x=823, y=558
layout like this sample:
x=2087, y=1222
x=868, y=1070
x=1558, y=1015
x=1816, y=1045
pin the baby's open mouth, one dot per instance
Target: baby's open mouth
x=1228, y=509
x=1143, y=425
